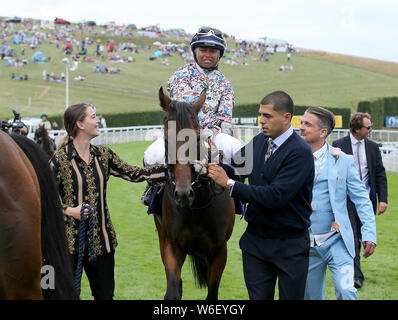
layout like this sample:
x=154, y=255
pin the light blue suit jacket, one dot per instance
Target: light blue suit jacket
x=343, y=180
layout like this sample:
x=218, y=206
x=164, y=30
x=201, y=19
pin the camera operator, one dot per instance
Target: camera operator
x=4, y=125
x=22, y=129
x=18, y=126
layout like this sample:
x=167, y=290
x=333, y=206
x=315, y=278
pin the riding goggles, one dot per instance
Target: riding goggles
x=208, y=32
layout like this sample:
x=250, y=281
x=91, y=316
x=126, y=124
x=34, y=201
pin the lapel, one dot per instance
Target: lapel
x=368, y=153
x=348, y=145
x=332, y=175
x=264, y=147
x=369, y=162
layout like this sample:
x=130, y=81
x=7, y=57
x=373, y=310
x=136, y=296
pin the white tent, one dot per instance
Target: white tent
x=273, y=41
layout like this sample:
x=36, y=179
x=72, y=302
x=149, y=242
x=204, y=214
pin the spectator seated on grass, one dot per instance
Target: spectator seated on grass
x=286, y=68
x=114, y=58
x=76, y=57
x=19, y=77
x=80, y=78
x=104, y=69
x=14, y=63
x=39, y=57
x=89, y=59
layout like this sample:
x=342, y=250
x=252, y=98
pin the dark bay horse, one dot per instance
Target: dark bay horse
x=34, y=263
x=198, y=216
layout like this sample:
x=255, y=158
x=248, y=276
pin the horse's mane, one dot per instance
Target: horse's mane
x=184, y=114
x=53, y=237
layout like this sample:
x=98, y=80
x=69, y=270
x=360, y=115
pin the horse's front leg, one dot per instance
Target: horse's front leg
x=173, y=259
x=216, y=268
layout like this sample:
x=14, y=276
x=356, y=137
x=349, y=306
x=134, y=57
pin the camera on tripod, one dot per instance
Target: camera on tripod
x=17, y=123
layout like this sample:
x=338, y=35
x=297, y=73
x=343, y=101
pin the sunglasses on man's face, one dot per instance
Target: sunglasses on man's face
x=370, y=127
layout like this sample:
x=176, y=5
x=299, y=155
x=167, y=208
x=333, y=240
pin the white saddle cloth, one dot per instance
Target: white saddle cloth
x=155, y=154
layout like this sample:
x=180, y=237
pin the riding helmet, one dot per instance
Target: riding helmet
x=208, y=37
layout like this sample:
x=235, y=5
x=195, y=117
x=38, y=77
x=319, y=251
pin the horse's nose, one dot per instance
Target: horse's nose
x=184, y=197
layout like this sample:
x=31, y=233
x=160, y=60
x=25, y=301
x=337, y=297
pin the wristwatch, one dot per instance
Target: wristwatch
x=230, y=184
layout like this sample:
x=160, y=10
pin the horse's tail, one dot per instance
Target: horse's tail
x=199, y=269
x=53, y=237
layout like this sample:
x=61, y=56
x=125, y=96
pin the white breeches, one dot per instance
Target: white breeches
x=155, y=154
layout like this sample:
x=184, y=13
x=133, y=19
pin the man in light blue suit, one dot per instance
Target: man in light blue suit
x=331, y=236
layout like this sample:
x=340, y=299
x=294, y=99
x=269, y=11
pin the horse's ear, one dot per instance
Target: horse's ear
x=201, y=100
x=163, y=99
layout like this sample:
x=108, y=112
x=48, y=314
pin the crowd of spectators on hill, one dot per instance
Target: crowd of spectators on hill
x=18, y=42
x=244, y=51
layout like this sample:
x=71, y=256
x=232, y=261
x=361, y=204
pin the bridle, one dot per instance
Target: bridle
x=199, y=173
x=199, y=170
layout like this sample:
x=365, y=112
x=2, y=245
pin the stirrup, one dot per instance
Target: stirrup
x=147, y=195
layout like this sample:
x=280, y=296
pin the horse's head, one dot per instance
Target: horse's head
x=181, y=132
x=40, y=134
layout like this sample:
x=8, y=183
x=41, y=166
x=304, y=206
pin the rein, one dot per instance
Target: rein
x=198, y=164
x=205, y=182
x=82, y=241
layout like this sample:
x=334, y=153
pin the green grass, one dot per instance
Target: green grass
x=313, y=82
x=139, y=272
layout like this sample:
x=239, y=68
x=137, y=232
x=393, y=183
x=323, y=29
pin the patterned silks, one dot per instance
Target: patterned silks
x=188, y=82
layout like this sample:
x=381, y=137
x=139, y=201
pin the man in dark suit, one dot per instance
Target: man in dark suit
x=276, y=243
x=368, y=160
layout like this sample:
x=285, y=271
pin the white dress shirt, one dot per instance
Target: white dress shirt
x=278, y=141
x=362, y=159
x=319, y=162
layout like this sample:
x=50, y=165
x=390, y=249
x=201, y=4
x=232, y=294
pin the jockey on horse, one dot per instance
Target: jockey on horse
x=187, y=83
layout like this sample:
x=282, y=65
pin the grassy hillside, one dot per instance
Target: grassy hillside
x=314, y=81
x=378, y=66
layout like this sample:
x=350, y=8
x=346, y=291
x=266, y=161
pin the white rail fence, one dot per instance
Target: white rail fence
x=388, y=138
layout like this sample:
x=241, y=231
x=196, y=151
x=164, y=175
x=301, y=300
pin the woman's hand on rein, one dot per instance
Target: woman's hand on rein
x=75, y=212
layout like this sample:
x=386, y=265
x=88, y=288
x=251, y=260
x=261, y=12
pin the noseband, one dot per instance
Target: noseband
x=198, y=165
x=199, y=176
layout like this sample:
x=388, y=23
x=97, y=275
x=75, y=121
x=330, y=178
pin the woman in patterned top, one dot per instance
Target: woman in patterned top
x=187, y=83
x=82, y=171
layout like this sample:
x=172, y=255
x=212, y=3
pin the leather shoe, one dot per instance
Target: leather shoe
x=358, y=283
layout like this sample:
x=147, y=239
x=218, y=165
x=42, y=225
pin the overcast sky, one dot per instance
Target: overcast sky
x=366, y=28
